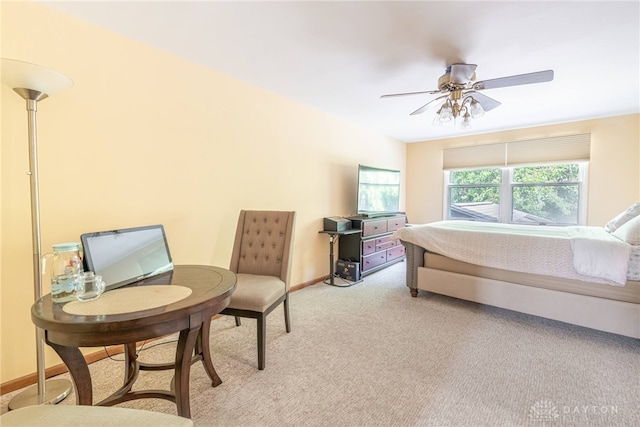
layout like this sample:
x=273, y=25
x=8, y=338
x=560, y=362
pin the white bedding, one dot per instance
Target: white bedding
x=577, y=252
x=596, y=253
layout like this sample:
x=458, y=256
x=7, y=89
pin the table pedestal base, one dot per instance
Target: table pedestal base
x=193, y=346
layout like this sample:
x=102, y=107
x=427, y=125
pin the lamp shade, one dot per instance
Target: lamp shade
x=476, y=109
x=20, y=74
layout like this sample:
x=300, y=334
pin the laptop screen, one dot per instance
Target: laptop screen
x=127, y=255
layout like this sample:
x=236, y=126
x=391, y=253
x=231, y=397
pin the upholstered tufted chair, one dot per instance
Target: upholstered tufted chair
x=261, y=259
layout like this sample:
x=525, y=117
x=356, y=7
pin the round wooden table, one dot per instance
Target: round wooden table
x=209, y=290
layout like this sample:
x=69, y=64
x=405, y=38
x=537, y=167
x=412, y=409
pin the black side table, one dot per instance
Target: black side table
x=333, y=237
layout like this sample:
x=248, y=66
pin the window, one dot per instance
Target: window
x=532, y=194
x=474, y=194
x=537, y=181
x=546, y=194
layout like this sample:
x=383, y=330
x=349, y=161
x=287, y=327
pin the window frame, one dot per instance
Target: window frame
x=506, y=187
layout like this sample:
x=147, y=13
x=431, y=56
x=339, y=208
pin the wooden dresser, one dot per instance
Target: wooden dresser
x=373, y=248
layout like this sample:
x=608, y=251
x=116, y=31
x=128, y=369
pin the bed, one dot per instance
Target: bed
x=586, y=276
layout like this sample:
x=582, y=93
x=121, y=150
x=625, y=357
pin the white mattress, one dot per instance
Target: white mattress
x=544, y=250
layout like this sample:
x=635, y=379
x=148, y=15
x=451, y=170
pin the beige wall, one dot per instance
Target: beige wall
x=614, y=169
x=145, y=137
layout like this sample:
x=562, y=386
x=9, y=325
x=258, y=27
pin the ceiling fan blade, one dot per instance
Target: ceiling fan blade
x=462, y=73
x=428, y=104
x=521, y=79
x=428, y=92
x=487, y=103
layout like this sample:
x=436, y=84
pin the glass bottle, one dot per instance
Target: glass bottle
x=63, y=266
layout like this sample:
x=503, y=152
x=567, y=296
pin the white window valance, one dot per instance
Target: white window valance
x=568, y=148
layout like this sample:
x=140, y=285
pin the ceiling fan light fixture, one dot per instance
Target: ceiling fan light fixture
x=466, y=121
x=460, y=88
x=445, y=112
x=476, y=109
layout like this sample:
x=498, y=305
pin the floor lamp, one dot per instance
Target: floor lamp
x=35, y=83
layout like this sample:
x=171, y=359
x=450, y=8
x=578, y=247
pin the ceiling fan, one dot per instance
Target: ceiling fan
x=461, y=92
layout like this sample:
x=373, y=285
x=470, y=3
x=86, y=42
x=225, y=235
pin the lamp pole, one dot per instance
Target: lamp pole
x=32, y=83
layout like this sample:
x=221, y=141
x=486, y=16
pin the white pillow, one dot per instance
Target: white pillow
x=629, y=231
x=632, y=212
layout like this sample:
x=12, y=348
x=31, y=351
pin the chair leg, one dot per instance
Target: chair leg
x=287, y=322
x=238, y=323
x=262, y=335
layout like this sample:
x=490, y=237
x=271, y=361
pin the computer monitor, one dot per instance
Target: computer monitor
x=127, y=255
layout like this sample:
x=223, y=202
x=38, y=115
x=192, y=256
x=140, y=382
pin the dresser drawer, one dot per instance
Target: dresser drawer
x=371, y=228
x=369, y=246
x=395, y=252
x=373, y=260
x=385, y=242
x=395, y=223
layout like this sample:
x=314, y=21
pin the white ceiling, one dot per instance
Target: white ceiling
x=339, y=57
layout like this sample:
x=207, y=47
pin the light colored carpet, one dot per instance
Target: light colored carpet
x=370, y=355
